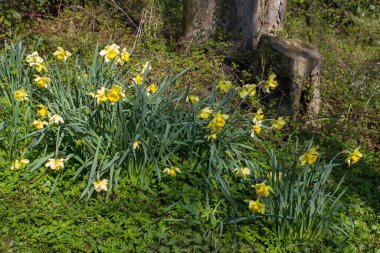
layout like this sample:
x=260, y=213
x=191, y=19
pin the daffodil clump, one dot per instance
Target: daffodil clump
x=114, y=120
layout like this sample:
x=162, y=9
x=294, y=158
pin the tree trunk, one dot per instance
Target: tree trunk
x=198, y=17
x=245, y=20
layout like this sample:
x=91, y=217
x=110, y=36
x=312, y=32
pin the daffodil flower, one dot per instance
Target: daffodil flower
x=247, y=90
x=39, y=124
x=259, y=115
x=55, y=164
x=100, y=185
x=256, y=128
x=42, y=81
x=271, y=83
x=115, y=94
x=56, y=119
x=262, y=189
x=21, y=95
x=256, y=207
x=309, y=157
x=225, y=86
x=136, y=145
x=152, y=88
x=17, y=164
x=205, y=113
x=279, y=123
x=34, y=59
x=138, y=80
x=61, y=54
x=43, y=110
x=354, y=157
x=124, y=57
x=100, y=95
x=110, y=52
x=211, y=137
x=218, y=122
x=242, y=172
x=193, y=99
x=172, y=171
x=146, y=67
x=40, y=67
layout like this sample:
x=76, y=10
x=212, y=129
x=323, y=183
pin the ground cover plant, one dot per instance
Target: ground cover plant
x=106, y=148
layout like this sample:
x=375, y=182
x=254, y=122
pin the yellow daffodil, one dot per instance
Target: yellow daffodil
x=100, y=95
x=43, y=110
x=279, y=123
x=61, y=54
x=136, y=145
x=256, y=207
x=40, y=124
x=172, y=171
x=242, y=172
x=309, y=157
x=193, y=99
x=146, y=67
x=152, y=88
x=205, y=113
x=124, y=57
x=115, y=94
x=138, y=80
x=271, y=83
x=225, y=86
x=21, y=95
x=34, y=59
x=259, y=115
x=55, y=164
x=56, y=119
x=354, y=157
x=256, y=128
x=247, y=90
x=262, y=189
x=100, y=185
x=110, y=52
x=218, y=122
x=211, y=137
x=17, y=164
x=40, y=67
x=42, y=81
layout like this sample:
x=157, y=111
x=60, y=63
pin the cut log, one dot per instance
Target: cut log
x=297, y=66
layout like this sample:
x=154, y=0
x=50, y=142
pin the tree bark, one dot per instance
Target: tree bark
x=198, y=17
x=245, y=20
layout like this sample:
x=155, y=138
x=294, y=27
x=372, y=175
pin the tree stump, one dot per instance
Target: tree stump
x=297, y=66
